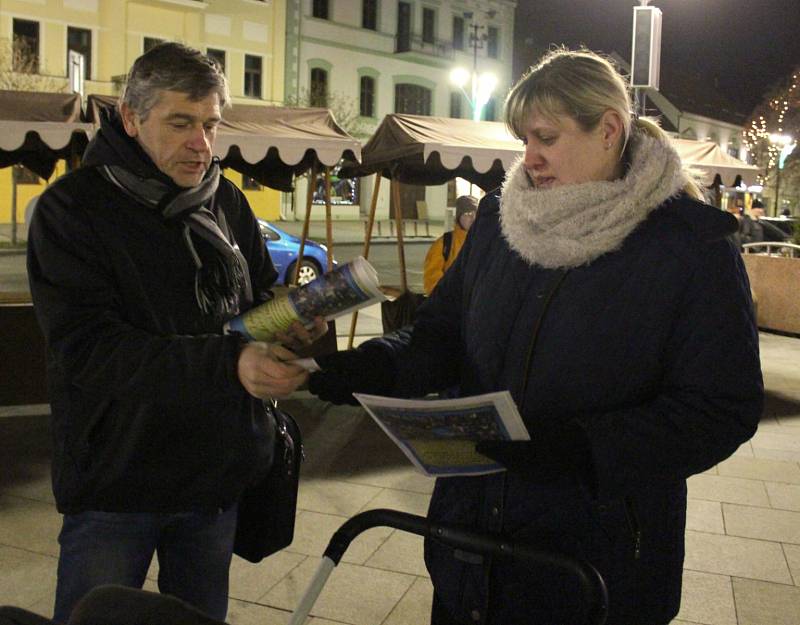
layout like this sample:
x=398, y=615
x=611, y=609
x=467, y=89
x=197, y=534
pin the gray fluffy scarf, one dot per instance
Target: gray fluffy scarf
x=573, y=225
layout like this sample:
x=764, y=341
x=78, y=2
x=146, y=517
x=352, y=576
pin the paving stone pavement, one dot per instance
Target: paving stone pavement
x=743, y=535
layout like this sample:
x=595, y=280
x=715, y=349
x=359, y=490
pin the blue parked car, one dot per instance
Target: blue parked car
x=283, y=248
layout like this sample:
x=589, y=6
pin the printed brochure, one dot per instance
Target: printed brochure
x=439, y=435
x=347, y=288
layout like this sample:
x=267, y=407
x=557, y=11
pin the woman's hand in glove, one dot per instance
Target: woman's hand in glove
x=550, y=454
x=353, y=371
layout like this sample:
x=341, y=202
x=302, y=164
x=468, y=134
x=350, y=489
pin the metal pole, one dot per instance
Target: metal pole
x=13, y=205
x=328, y=218
x=476, y=113
x=777, y=187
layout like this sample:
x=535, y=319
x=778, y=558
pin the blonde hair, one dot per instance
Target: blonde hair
x=582, y=85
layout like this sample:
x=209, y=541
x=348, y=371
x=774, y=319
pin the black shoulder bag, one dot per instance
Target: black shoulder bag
x=267, y=509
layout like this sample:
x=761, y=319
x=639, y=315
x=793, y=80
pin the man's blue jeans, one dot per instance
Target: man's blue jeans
x=194, y=555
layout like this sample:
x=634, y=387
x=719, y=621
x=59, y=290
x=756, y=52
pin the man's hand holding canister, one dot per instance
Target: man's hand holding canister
x=263, y=372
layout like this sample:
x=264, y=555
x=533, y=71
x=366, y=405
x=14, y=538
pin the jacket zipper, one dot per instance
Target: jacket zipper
x=633, y=526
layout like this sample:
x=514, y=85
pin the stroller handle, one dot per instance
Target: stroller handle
x=592, y=584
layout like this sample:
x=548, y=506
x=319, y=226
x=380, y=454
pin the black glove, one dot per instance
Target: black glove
x=354, y=371
x=552, y=453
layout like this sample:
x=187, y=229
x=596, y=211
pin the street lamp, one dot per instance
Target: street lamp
x=481, y=89
x=481, y=86
x=787, y=145
x=645, y=52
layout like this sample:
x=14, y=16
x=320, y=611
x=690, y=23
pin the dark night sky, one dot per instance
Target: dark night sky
x=746, y=45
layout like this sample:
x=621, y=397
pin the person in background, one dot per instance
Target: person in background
x=605, y=296
x=135, y=261
x=444, y=250
x=752, y=229
x=736, y=237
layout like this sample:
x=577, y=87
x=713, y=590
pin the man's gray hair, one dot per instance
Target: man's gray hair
x=172, y=67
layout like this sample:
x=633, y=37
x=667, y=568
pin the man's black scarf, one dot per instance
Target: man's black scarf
x=221, y=280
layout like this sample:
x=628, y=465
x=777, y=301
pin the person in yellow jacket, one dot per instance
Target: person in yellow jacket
x=445, y=249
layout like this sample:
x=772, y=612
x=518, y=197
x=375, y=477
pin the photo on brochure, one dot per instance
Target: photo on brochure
x=439, y=435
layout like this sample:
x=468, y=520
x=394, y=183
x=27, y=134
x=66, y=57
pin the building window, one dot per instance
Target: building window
x=319, y=8
x=455, y=104
x=367, y=99
x=151, y=42
x=369, y=14
x=458, y=33
x=218, y=56
x=26, y=46
x=252, y=76
x=428, y=25
x=403, y=43
x=318, y=94
x=492, y=42
x=412, y=99
x=250, y=184
x=80, y=40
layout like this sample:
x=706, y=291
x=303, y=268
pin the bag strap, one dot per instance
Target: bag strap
x=284, y=431
x=447, y=243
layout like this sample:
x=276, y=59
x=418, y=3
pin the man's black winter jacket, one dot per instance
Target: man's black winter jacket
x=148, y=412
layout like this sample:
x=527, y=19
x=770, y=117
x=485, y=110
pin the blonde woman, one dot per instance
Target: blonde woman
x=604, y=295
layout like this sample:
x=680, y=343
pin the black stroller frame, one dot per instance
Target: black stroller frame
x=595, y=594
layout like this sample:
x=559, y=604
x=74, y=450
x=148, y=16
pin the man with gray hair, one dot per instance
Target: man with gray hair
x=136, y=260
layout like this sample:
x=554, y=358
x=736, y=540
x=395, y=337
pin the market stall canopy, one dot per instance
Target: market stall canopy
x=271, y=144
x=38, y=128
x=418, y=149
x=707, y=158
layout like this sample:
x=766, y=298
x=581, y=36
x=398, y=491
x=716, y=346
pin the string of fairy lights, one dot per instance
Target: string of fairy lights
x=758, y=132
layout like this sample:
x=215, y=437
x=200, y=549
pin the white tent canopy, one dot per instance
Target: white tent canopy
x=708, y=158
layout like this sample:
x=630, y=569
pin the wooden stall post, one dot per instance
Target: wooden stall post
x=398, y=218
x=370, y=222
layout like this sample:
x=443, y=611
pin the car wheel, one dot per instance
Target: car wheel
x=309, y=270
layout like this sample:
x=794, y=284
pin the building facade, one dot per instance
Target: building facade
x=246, y=36
x=368, y=58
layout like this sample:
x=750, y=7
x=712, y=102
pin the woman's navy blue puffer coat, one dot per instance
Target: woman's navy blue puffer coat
x=652, y=348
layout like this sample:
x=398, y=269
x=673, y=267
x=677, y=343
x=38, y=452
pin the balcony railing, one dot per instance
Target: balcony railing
x=415, y=43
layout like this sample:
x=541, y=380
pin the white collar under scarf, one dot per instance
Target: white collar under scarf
x=573, y=225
